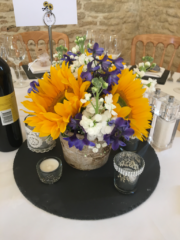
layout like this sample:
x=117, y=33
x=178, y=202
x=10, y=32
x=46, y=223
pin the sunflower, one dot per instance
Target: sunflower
x=45, y=4
x=50, y=6
x=130, y=103
x=56, y=101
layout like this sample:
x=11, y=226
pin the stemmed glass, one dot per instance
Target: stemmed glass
x=91, y=37
x=16, y=51
x=102, y=42
x=114, y=46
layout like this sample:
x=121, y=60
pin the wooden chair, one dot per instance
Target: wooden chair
x=156, y=39
x=42, y=35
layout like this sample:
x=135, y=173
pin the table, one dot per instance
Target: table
x=158, y=218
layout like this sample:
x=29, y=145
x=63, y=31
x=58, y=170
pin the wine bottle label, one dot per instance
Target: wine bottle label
x=8, y=109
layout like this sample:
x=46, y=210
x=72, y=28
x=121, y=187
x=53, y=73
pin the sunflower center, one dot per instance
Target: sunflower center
x=59, y=98
x=121, y=102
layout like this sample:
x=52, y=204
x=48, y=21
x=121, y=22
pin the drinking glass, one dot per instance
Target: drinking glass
x=91, y=37
x=102, y=42
x=16, y=51
x=114, y=46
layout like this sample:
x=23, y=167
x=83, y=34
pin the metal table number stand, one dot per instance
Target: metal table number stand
x=49, y=20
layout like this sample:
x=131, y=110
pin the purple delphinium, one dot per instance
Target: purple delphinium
x=67, y=59
x=104, y=63
x=74, y=122
x=76, y=127
x=118, y=63
x=96, y=51
x=121, y=129
x=79, y=143
x=71, y=54
x=87, y=76
x=33, y=87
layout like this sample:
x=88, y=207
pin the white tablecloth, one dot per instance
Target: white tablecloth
x=158, y=218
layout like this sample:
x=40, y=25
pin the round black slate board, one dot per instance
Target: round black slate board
x=83, y=194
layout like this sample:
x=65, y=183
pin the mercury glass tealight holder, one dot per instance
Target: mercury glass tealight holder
x=127, y=168
x=38, y=144
x=49, y=169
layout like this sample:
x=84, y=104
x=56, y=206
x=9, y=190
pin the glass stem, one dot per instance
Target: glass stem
x=19, y=80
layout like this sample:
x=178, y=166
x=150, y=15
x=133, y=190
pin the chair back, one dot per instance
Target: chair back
x=36, y=36
x=155, y=39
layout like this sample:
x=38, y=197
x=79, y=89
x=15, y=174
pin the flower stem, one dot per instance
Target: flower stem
x=97, y=103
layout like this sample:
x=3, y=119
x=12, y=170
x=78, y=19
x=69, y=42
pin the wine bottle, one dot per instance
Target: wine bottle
x=10, y=131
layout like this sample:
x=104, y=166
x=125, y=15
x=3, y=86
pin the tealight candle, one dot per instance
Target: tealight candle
x=49, y=165
x=49, y=169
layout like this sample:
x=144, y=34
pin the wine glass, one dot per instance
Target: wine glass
x=114, y=46
x=16, y=51
x=91, y=37
x=102, y=42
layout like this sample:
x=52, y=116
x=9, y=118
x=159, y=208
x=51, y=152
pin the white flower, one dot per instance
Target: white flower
x=149, y=84
x=87, y=96
x=147, y=64
x=101, y=100
x=91, y=124
x=85, y=68
x=108, y=104
x=136, y=70
x=95, y=150
x=141, y=64
x=94, y=130
x=104, y=145
x=82, y=58
x=91, y=137
x=98, y=145
x=97, y=117
x=71, y=57
x=55, y=55
x=107, y=129
x=89, y=46
x=113, y=113
x=86, y=122
x=100, y=137
x=106, y=116
x=142, y=73
x=74, y=50
x=75, y=73
x=83, y=100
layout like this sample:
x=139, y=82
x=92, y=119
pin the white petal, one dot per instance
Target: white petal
x=98, y=145
x=104, y=145
x=83, y=100
x=95, y=150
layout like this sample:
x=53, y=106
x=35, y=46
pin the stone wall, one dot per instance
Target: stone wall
x=125, y=18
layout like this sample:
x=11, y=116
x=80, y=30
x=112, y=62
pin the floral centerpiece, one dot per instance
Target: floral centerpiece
x=92, y=103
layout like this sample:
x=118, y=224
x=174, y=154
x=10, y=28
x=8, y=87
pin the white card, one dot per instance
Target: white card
x=30, y=13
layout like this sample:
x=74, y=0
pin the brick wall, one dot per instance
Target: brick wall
x=126, y=18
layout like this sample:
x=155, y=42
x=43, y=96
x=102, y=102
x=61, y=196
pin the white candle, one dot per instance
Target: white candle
x=49, y=165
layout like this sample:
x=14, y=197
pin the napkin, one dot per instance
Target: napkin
x=155, y=74
x=36, y=67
